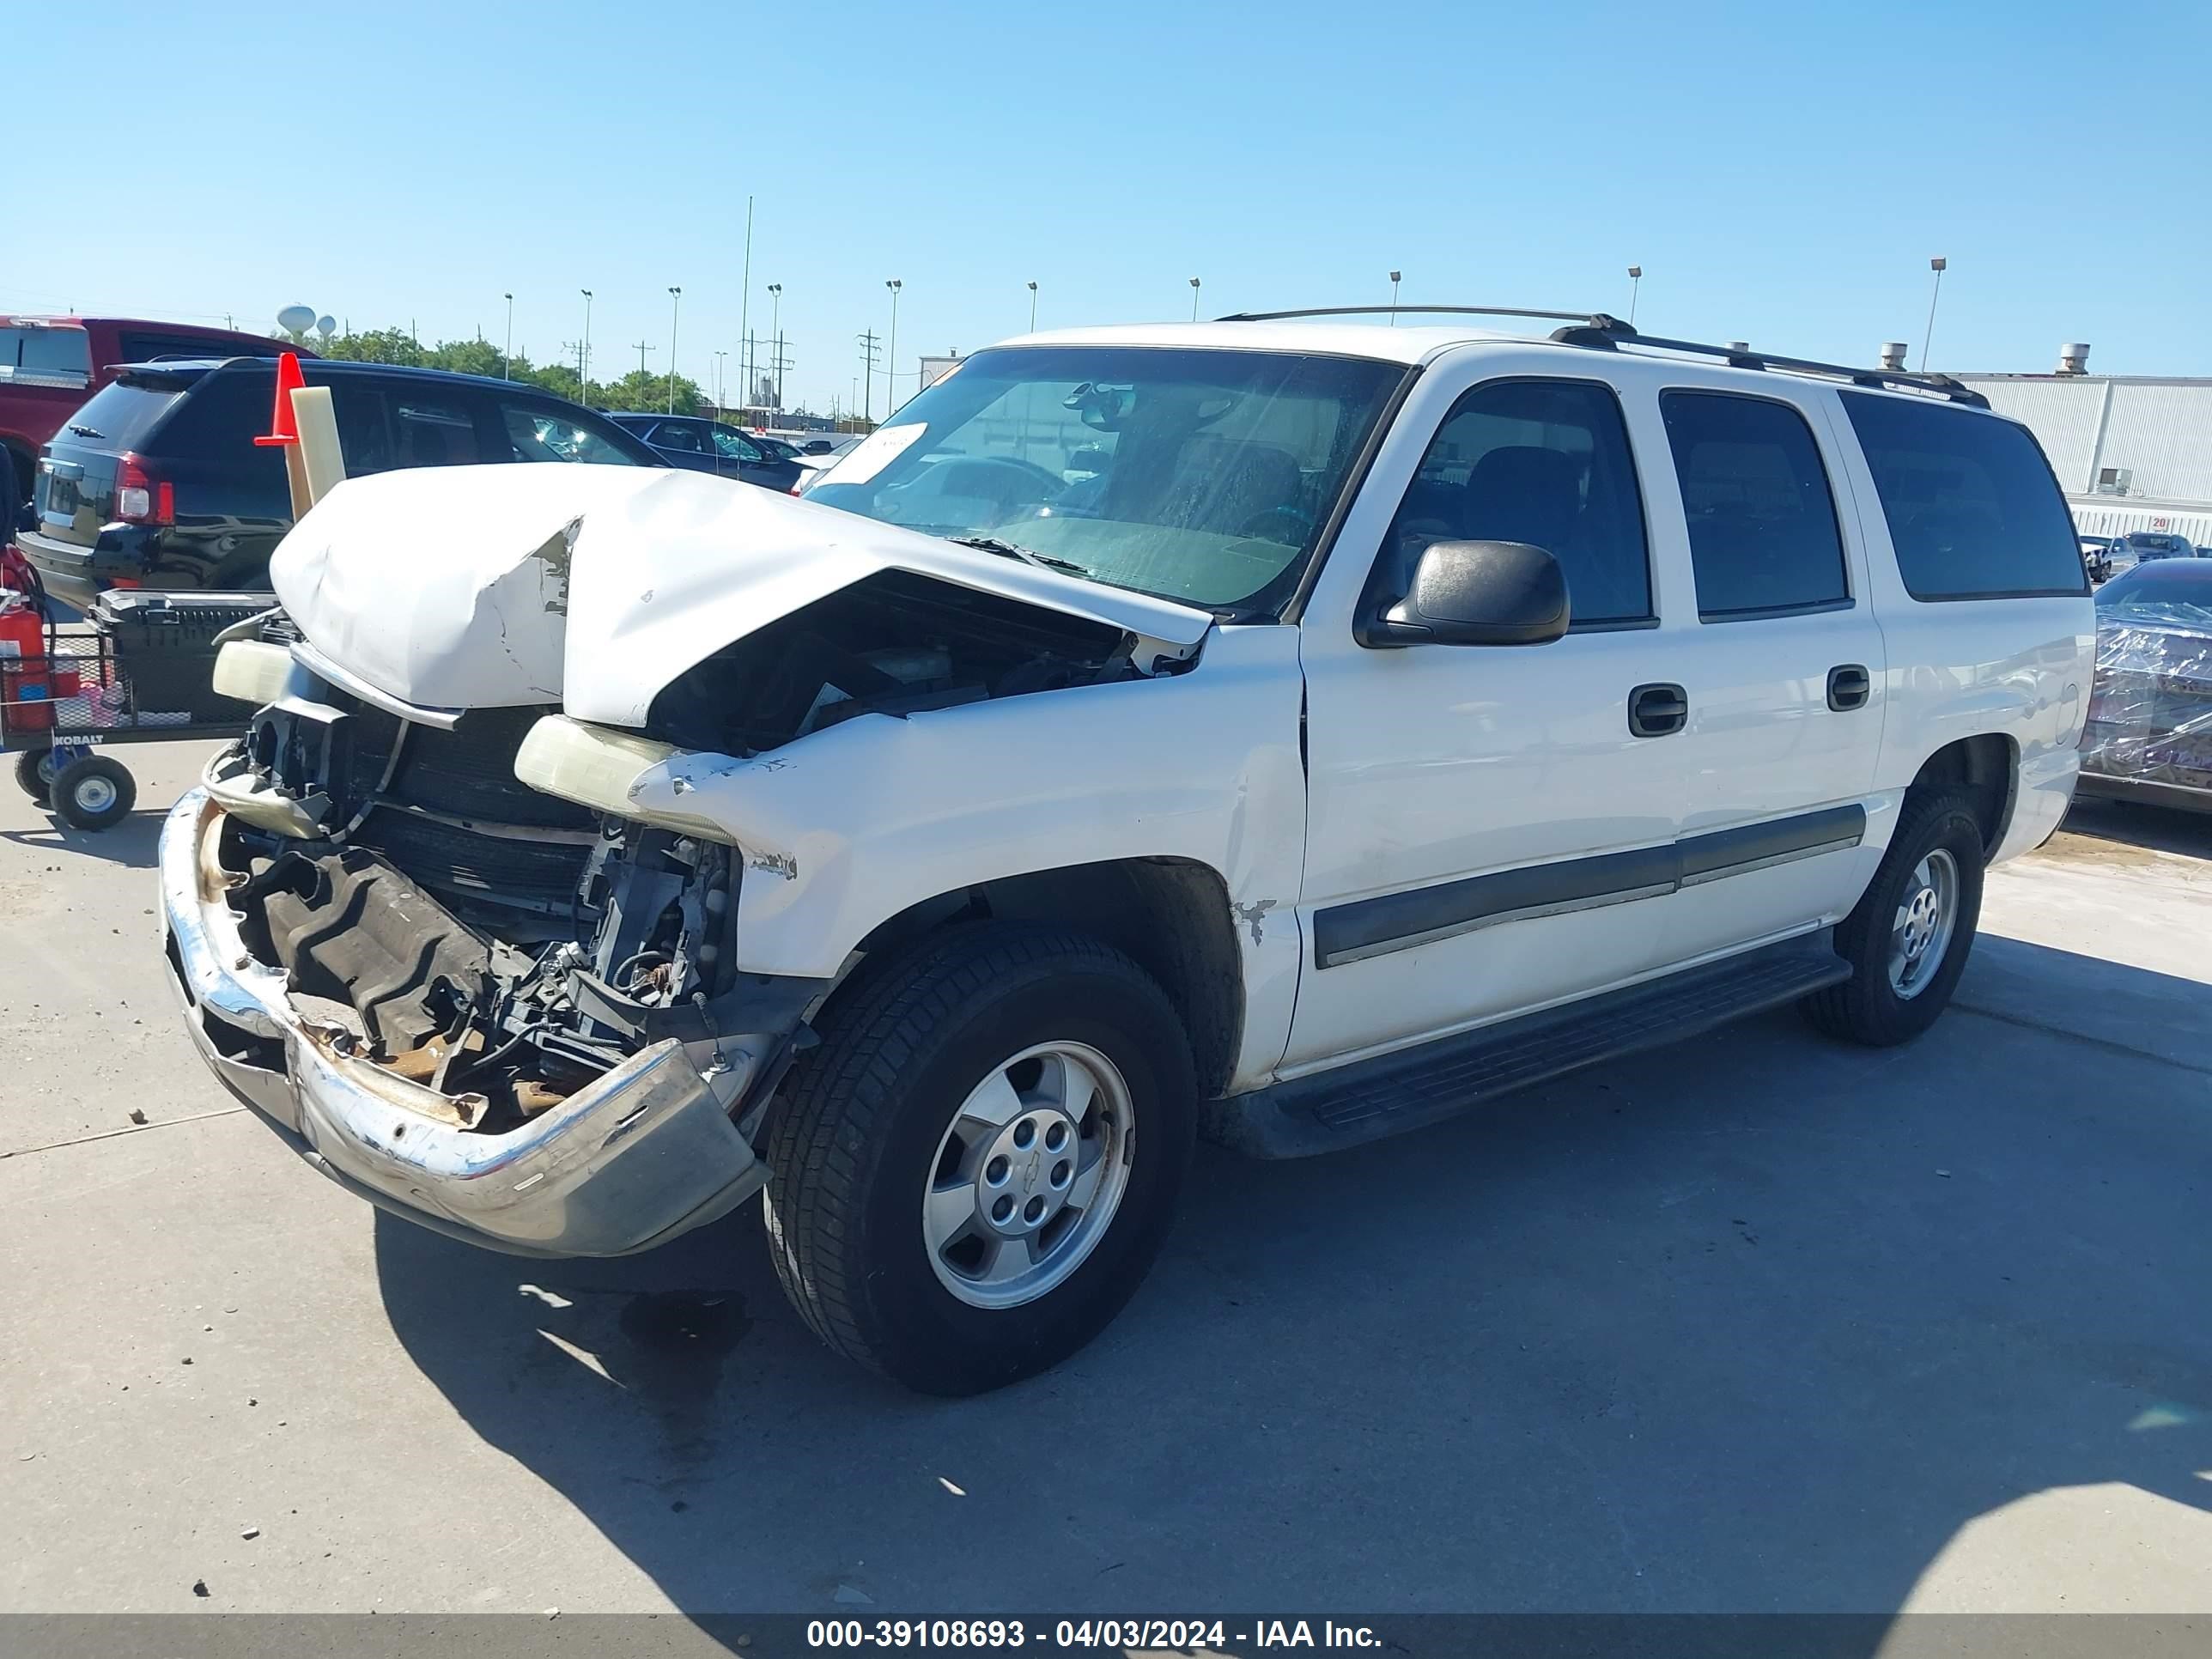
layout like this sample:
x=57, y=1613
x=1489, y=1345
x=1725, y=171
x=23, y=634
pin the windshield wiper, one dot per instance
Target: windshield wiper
x=1007, y=549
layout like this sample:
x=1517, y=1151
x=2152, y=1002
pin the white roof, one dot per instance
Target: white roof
x=1341, y=338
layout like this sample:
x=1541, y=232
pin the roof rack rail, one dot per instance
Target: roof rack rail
x=1613, y=333
x=1594, y=319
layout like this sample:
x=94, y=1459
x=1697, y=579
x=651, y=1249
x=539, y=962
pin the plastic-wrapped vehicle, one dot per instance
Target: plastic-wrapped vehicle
x=2149, y=731
x=1294, y=731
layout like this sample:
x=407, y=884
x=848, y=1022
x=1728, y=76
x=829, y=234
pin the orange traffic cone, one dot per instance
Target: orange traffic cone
x=284, y=425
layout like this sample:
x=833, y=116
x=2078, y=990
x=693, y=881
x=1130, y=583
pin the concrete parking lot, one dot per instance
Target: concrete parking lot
x=1755, y=1323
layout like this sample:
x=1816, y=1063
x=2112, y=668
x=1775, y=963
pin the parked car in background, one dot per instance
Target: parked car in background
x=2141, y=546
x=51, y=365
x=703, y=445
x=2150, y=735
x=157, y=482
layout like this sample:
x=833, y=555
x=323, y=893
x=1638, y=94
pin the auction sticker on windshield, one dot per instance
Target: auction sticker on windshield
x=876, y=451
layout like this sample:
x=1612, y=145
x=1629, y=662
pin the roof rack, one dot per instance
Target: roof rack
x=1612, y=333
x=1597, y=319
x=1599, y=331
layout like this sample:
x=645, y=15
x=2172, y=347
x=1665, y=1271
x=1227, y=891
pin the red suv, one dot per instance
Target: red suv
x=49, y=365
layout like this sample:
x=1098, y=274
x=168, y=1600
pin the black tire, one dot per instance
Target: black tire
x=30, y=778
x=1866, y=1008
x=94, y=791
x=851, y=1148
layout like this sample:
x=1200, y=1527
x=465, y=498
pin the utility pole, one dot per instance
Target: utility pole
x=891, y=355
x=675, y=301
x=779, y=363
x=868, y=376
x=642, y=348
x=583, y=352
x=720, y=406
x=507, y=359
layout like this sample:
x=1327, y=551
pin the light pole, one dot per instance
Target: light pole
x=776, y=337
x=890, y=353
x=1193, y=298
x=1032, y=307
x=1635, y=282
x=1937, y=265
x=583, y=353
x=1393, y=297
x=675, y=303
x=506, y=357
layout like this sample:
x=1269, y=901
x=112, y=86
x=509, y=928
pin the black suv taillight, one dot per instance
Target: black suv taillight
x=141, y=496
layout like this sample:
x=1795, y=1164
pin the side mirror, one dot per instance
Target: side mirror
x=1475, y=593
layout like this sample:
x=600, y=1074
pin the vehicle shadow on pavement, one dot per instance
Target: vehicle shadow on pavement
x=1760, y=1322
x=2130, y=823
x=133, y=843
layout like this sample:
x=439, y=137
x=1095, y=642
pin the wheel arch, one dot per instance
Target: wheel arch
x=1987, y=768
x=1171, y=916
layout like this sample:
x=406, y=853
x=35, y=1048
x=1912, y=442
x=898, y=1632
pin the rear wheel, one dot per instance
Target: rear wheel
x=34, y=774
x=972, y=1174
x=1908, y=937
x=93, y=793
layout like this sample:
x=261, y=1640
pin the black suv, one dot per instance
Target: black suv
x=702, y=445
x=157, y=482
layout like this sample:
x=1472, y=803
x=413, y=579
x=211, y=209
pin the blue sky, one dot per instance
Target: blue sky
x=1782, y=173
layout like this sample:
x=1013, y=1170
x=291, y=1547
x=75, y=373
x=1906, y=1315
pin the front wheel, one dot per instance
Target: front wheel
x=972, y=1174
x=1908, y=937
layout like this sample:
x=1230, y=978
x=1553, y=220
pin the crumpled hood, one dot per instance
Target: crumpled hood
x=491, y=587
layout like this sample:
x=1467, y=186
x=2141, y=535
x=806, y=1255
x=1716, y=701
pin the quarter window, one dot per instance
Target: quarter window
x=1762, y=520
x=681, y=435
x=433, y=433
x=1973, y=508
x=1545, y=462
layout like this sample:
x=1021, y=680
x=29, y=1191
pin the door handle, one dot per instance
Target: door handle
x=1655, y=710
x=1848, y=687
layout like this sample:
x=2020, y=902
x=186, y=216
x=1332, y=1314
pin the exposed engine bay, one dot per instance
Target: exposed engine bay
x=505, y=947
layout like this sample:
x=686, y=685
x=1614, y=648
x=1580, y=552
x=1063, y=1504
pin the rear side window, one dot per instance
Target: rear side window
x=143, y=346
x=362, y=433
x=35, y=354
x=433, y=432
x=1973, y=508
x=1544, y=462
x=1762, y=520
x=215, y=423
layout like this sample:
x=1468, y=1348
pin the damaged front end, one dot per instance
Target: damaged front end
x=473, y=1002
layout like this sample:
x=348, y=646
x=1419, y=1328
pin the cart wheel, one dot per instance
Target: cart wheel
x=34, y=774
x=93, y=792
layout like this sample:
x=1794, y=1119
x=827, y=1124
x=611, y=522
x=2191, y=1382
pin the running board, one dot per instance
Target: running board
x=1412, y=1088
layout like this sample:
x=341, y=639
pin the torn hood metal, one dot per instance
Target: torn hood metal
x=491, y=587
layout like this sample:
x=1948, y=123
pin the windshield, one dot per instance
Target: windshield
x=1198, y=475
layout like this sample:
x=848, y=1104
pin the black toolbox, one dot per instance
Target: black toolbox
x=164, y=648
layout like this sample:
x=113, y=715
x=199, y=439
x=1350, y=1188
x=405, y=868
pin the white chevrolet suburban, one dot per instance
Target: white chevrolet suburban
x=1294, y=731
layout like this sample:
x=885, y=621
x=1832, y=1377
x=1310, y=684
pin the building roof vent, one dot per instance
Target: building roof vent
x=2073, y=360
x=1893, y=354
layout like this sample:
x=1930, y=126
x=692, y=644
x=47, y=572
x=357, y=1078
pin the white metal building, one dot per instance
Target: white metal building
x=2132, y=452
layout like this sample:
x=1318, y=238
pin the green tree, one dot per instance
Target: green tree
x=644, y=392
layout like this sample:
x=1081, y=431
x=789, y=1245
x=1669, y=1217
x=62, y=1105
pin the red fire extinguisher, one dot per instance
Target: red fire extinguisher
x=31, y=677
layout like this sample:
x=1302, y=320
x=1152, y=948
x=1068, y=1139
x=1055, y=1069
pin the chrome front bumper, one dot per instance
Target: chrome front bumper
x=642, y=1155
